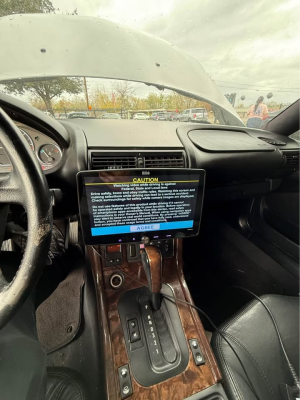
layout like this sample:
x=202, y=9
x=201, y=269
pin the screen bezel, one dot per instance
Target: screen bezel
x=153, y=235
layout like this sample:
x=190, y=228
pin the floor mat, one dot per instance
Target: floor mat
x=59, y=316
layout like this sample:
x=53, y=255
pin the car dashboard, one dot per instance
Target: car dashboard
x=239, y=161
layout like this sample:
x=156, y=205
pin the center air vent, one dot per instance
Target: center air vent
x=164, y=161
x=112, y=162
x=136, y=159
x=291, y=161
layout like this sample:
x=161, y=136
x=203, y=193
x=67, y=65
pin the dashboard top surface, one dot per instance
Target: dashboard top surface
x=129, y=133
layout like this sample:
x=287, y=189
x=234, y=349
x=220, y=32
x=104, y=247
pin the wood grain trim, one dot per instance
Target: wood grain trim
x=193, y=379
x=155, y=265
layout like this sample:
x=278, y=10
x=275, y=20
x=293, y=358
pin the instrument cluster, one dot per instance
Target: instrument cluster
x=46, y=150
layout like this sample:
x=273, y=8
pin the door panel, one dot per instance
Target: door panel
x=274, y=224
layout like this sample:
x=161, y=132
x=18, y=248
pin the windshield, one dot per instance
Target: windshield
x=98, y=69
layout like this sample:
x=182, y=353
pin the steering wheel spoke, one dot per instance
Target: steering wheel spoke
x=10, y=191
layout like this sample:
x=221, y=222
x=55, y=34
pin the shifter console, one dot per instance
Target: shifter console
x=161, y=351
x=153, y=333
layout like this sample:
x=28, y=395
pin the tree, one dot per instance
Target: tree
x=181, y=102
x=138, y=103
x=156, y=101
x=37, y=103
x=8, y=7
x=76, y=103
x=123, y=91
x=46, y=89
x=101, y=97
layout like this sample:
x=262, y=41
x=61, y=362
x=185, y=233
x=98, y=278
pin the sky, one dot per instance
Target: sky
x=250, y=48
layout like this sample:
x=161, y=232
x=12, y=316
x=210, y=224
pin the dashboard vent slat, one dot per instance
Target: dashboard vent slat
x=164, y=161
x=113, y=162
x=291, y=161
x=106, y=160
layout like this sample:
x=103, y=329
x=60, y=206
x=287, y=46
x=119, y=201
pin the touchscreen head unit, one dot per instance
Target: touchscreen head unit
x=122, y=206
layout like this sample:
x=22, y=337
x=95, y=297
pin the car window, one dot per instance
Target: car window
x=271, y=84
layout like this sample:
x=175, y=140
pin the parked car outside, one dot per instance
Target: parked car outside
x=60, y=115
x=111, y=116
x=159, y=116
x=48, y=113
x=193, y=114
x=140, y=116
x=77, y=115
x=171, y=116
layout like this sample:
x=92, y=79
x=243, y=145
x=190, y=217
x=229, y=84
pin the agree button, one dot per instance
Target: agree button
x=145, y=227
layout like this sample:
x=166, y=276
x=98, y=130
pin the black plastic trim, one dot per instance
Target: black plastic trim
x=233, y=166
x=287, y=122
x=64, y=176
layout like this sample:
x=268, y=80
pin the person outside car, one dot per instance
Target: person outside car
x=257, y=112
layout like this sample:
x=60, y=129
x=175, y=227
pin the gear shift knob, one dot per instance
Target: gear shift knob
x=152, y=263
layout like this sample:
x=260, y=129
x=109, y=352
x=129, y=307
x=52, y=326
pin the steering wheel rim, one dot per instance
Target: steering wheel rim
x=25, y=185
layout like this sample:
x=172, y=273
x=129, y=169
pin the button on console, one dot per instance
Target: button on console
x=196, y=351
x=134, y=332
x=125, y=381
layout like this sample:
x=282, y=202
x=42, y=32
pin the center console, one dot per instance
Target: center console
x=133, y=223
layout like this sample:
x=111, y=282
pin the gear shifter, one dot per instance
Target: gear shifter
x=157, y=346
x=152, y=263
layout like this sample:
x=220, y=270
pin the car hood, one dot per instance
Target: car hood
x=48, y=45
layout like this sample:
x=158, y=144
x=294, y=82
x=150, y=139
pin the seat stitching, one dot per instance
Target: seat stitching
x=231, y=322
x=229, y=372
x=70, y=379
x=255, y=362
x=240, y=314
x=252, y=304
x=63, y=385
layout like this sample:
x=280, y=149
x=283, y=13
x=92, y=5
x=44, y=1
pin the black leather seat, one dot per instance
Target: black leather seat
x=253, y=336
x=65, y=384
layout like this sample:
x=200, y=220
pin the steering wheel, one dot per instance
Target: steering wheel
x=25, y=185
